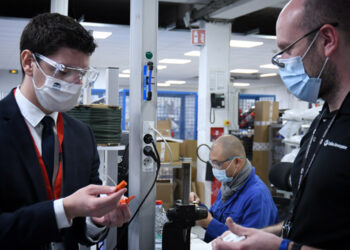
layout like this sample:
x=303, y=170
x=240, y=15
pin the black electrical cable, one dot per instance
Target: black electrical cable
x=144, y=199
x=197, y=151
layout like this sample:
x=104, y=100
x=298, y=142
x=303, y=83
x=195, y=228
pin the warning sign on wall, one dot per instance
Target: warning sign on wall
x=198, y=37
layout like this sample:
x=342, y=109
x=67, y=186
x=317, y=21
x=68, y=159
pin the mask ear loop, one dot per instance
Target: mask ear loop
x=312, y=42
x=324, y=65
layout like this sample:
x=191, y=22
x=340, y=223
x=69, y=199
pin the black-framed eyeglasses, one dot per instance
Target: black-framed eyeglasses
x=275, y=58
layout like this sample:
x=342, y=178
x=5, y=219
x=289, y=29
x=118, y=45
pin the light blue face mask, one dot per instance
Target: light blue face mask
x=296, y=79
x=220, y=174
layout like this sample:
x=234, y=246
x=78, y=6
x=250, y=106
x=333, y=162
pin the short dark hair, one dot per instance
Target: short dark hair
x=319, y=12
x=47, y=33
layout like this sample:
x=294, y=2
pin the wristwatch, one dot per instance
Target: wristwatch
x=296, y=246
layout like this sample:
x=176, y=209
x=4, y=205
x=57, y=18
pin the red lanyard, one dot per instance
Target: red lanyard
x=56, y=193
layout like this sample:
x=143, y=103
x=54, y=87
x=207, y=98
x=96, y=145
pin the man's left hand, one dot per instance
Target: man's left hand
x=117, y=217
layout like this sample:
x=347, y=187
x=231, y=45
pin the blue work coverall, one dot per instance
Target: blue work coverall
x=250, y=206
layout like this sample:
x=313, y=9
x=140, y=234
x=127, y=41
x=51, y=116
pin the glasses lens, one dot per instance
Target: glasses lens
x=215, y=164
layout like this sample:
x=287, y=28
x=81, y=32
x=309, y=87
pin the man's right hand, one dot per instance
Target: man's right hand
x=86, y=201
x=194, y=198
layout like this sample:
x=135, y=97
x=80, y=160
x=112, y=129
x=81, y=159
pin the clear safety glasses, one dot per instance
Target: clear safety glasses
x=276, y=57
x=219, y=164
x=68, y=74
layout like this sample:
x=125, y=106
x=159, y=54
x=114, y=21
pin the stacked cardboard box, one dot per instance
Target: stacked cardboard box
x=265, y=113
x=164, y=127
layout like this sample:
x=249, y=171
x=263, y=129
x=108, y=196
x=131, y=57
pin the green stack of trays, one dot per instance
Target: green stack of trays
x=104, y=120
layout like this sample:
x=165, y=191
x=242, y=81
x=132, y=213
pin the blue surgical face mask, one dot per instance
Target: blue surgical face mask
x=220, y=174
x=296, y=79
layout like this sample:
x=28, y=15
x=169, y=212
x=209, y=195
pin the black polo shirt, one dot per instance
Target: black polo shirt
x=322, y=218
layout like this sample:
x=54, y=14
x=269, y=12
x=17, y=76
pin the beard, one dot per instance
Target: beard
x=329, y=77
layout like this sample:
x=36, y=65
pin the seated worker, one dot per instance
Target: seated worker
x=242, y=196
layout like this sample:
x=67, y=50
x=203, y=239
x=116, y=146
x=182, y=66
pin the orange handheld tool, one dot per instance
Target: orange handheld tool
x=121, y=185
x=127, y=200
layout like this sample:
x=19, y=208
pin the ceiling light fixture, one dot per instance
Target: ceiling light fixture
x=268, y=75
x=193, y=53
x=160, y=67
x=175, y=82
x=124, y=75
x=175, y=61
x=126, y=71
x=244, y=71
x=244, y=44
x=268, y=66
x=241, y=84
x=163, y=84
x=101, y=34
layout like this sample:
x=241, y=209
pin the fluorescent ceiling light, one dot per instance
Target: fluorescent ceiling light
x=89, y=24
x=244, y=71
x=124, y=75
x=126, y=71
x=268, y=66
x=160, y=67
x=175, y=82
x=244, y=44
x=241, y=84
x=266, y=37
x=101, y=34
x=193, y=53
x=175, y=61
x=268, y=75
x=163, y=84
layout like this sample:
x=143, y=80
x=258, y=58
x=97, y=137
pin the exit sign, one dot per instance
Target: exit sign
x=198, y=37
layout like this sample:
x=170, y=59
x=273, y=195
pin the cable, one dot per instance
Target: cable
x=166, y=143
x=197, y=151
x=149, y=191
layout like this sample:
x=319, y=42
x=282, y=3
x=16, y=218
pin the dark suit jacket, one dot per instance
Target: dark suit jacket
x=27, y=218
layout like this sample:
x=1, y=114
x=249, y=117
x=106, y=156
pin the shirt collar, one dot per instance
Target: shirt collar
x=30, y=112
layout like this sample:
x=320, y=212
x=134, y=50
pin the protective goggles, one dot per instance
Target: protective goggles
x=219, y=164
x=68, y=74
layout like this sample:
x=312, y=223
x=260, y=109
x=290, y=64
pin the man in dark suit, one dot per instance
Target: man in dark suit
x=50, y=192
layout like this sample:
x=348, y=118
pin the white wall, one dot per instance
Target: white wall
x=8, y=81
x=283, y=96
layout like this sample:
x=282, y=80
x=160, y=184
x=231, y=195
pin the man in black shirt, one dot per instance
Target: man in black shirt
x=314, y=62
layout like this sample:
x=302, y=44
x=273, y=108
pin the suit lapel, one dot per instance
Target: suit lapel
x=70, y=168
x=21, y=139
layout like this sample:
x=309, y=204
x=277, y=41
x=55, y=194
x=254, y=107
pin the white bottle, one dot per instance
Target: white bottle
x=160, y=220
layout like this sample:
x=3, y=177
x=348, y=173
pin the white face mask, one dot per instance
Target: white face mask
x=57, y=95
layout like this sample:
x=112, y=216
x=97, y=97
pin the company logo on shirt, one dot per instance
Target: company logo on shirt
x=334, y=144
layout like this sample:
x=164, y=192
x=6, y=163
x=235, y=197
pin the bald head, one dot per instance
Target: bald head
x=288, y=27
x=229, y=146
x=302, y=16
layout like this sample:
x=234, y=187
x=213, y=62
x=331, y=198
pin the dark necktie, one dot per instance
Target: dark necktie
x=48, y=145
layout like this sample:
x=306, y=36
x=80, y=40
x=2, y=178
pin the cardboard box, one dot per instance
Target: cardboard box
x=200, y=191
x=261, y=133
x=164, y=153
x=165, y=192
x=164, y=127
x=189, y=149
x=261, y=163
x=266, y=111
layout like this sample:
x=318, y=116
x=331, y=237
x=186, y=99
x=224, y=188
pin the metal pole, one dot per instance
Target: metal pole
x=59, y=6
x=186, y=182
x=143, y=37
